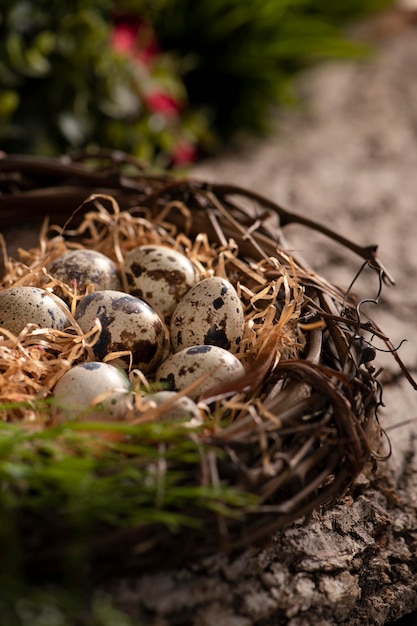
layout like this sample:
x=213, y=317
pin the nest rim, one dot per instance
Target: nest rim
x=66, y=186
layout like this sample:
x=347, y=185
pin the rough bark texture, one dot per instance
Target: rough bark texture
x=348, y=158
x=355, y=565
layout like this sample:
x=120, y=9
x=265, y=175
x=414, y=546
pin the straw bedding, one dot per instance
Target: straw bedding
x=286, y=438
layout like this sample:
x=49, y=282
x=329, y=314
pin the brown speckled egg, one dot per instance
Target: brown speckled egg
x=128, y=323
x=181, y=369
x=159, y=275
x=211, y=313
x=85, y=267
x=20, y=306
x=182, y=408
x=91, y=391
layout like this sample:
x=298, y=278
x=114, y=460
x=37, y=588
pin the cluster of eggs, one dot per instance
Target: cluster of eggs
x=170, y=323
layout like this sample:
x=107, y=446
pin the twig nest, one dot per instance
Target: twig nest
x=288, y=412
x=91, y=391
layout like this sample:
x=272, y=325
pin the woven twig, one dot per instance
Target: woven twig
x=315, y=426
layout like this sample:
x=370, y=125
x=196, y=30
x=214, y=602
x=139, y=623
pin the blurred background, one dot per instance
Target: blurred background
x=168, y=81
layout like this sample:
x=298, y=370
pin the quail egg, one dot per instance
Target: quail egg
x=85, y=267
x=91, y=391
x=128, y=323
x=20, y=306
x=182, y=368
x=180, y=408
x=210, y=313
x=159, y=275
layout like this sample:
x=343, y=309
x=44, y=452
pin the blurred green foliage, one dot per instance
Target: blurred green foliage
x=64, y=486
x=54, y=606
x=239, y=56
x=66, y=83
x=63, y=86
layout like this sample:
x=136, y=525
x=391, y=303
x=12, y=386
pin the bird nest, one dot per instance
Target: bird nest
x=283, y=439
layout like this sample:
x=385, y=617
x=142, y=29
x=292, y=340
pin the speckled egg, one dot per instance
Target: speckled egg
x=211, y=313
x=128, y=323
x=23, y=305
x=181, y=369
x=159, y=275
x=182, y=408
x=85, y=267
x=91, y=391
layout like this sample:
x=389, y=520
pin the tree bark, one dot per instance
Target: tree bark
x=353, y=565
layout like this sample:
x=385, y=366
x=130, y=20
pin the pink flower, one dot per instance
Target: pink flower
x=161, y=102
x=134, y=38
x=184, y=152
x=124, y=37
